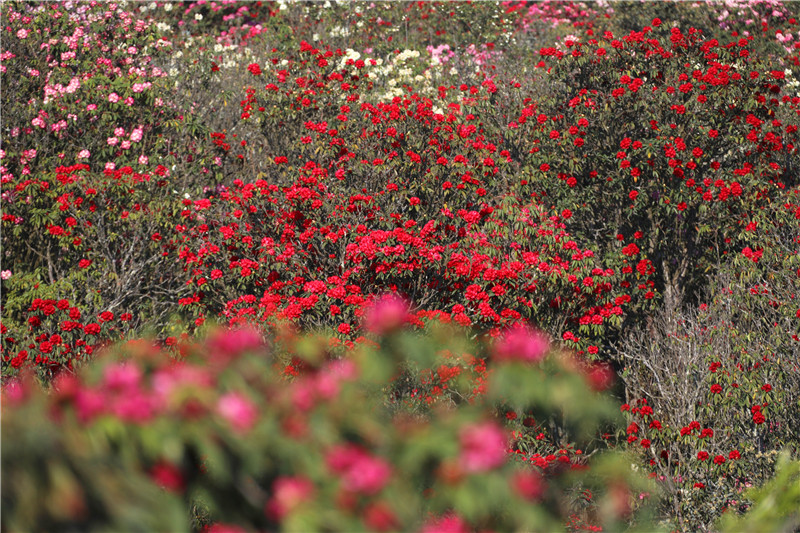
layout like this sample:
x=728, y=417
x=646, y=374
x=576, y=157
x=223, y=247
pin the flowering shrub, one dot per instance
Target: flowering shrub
x=219, y=424
x=720, y=430
x=364, y=170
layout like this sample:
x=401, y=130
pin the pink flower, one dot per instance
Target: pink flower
x=240, y=412
x=23, y=33
x=483, y=447
x=360, y=472
x=288, y=494
x=449, y=523
x=521, y=343
x=385, y=315
x=113, y=98
x=143, y=159
x=122, y=376
x=84, y=154
x=229, y=344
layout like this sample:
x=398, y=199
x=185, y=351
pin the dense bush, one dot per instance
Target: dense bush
x=623, y=177
x=220, y=427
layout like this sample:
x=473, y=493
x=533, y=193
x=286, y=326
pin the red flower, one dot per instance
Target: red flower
x=630, y=250
x=254, y=69
x=529, y=485
x=168, y=476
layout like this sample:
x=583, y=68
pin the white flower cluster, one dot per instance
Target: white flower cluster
x=792, y=82
x=397, y=71
x=339, y=31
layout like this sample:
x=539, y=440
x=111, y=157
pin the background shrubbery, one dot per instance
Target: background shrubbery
x=623, y=178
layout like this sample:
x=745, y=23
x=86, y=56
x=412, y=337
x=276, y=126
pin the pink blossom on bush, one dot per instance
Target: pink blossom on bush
x=359, y=471
x=385, y=315
x=521, y=343
x=288, y=493
x=449, y=523
x=240, y=412
x=483, y=447
x=230, y=344
x=122, y=376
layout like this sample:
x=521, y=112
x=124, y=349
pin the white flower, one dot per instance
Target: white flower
x=198, y=16
x=168, y=7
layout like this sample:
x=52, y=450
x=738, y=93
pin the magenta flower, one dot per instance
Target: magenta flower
x=449, y=523
x=230, y=344
x=521, y=344
x=385, y=315
x=288, y=494
x=483, y=447
x=240, y=412
x=359, y=471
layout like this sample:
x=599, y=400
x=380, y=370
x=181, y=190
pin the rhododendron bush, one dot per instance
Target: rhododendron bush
x=616, y=181
x=133, y=439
